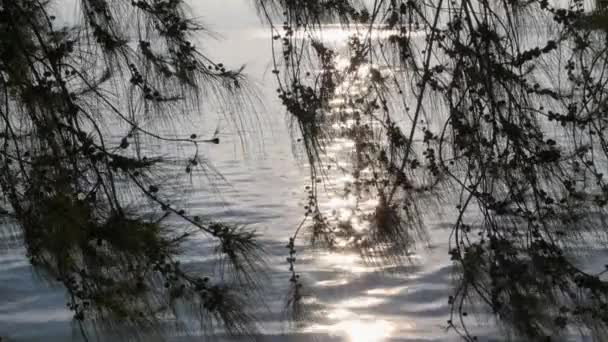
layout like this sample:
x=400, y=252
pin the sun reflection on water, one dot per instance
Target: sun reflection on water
x=357, y=329
x=361, y=331
x=351, y=205
x=361, y=302
x=342, y=261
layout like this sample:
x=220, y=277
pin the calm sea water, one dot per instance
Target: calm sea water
x=264, y=187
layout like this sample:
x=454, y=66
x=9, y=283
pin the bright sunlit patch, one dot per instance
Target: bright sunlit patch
x=361, y=302
x=364, y=70
x=342, y=243
x=345, y=179
x=360, y=331
x=386, y=291
x=370, y=204
x=342, y=63
x=339, y=315
x=337, y=102
x=348, y=262
x=338, y=203
x=355, y=328
x=332, y=283
x=345, y=215
x=359, y=225
x=341, y=144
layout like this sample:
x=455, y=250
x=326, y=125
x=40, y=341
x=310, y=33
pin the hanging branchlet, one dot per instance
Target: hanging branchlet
x=294, y=299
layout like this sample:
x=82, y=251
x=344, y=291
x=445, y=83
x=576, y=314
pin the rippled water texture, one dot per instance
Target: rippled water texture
x=264, y=187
